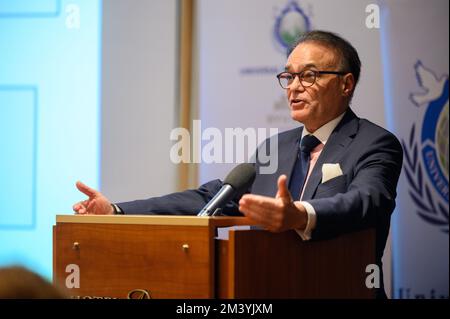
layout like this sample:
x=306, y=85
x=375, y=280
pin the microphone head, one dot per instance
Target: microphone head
x=237, y=182
x=241, y=177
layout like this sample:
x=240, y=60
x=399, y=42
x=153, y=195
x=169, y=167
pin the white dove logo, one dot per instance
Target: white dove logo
x=429, y=82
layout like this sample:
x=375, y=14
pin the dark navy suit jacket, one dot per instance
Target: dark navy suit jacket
x=363, y=197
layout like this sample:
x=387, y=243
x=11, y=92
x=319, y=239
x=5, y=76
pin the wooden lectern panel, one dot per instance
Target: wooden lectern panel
x=116, y=259
x=180, y=257
x=260, y=264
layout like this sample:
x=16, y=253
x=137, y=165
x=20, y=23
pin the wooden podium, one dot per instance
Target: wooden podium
x=180, y=257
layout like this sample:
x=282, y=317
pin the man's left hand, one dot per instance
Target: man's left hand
x=275, y=214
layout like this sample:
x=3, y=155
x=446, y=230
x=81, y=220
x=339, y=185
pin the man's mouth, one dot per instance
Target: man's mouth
x=296, y=102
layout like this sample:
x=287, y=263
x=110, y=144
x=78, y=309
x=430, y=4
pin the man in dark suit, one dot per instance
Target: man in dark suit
x=336, y=174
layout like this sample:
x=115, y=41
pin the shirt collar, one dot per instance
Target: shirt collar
x=324, y=132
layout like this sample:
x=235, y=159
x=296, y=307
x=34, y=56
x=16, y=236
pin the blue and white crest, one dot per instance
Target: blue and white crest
x=289, y=25
x=432, y=145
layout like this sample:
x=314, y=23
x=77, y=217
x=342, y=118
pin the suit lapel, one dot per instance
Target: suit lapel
x=338, y=141
x=287, y=150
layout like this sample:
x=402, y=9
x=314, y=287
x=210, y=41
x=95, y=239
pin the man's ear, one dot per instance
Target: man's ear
x=348, y=84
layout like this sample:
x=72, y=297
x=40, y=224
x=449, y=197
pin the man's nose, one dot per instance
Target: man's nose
x=296, y=84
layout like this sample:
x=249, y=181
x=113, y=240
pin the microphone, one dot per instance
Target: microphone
x=237, y=181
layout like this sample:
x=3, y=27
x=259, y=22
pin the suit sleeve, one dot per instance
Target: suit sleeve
x=370, y=196
x=188, y=202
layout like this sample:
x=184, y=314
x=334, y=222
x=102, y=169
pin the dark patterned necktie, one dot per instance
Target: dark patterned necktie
x=300, y=171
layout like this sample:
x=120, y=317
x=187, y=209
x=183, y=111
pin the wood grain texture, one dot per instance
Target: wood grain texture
x=214, y=221
x=115, y=259
x=268, y=265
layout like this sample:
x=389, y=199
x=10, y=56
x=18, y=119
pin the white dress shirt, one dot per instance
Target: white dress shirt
x=322, y=134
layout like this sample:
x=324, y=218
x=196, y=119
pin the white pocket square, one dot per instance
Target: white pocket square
x=330, y=171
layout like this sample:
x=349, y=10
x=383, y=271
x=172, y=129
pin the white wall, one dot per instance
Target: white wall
x=138, y=98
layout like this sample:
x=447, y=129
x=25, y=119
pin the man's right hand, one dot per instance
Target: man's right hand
x=96, y=204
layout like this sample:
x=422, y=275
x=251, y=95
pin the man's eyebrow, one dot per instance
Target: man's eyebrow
x=307, y=66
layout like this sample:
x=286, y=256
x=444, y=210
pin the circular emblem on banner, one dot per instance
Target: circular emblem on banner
x=442, y=140
x=428, y=154
x=435, y=142
x=290, y=24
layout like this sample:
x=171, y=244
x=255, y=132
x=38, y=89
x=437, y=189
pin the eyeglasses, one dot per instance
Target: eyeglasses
x=307, y=78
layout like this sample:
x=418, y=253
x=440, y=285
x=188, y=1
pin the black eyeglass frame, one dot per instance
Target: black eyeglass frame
x=300, y=74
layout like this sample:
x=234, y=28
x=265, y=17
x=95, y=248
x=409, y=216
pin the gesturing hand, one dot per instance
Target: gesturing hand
x=275, y=214
x=96, y=204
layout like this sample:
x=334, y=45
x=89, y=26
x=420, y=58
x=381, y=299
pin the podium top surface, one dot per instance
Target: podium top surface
x=216, y=221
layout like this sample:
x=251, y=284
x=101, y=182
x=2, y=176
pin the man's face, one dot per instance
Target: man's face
x=318, y=104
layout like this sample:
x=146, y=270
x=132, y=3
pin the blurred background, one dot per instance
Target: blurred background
x=91, y=90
